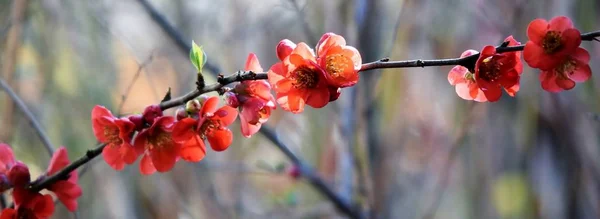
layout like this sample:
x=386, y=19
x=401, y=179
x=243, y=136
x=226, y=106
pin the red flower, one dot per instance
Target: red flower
x=29, y=205
x=12, y=173
x=550, y=42
x=211, y=124
x=156, y=143
x=116, y=133
x=341, y=62
x=466, y=87
x=494, y=71
x=7, y=158
x=573, y=69
x=68, y=190
x=299, y=80
x=253, y=98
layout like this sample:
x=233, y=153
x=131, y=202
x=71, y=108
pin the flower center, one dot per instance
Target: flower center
x=336, y=64
x=551, y=42
x=469, y=76
x=305, y=77
x=159, y=140
x=112, y=135
x=489, y=69
x=207, y=126
x=263, y=112
x=567, y=67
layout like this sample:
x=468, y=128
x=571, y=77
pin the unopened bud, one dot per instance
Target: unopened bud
x=285, y=48
x=18, y=174
x=137, y=120
x=180, y=113
x=152, y=112
x=231, y=99
x=192, y=106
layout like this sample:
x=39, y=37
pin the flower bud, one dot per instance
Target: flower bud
x=285, y=48
x=152, y=112
x=192, y=106
x=18, y=174
x=180, y=114
x=231, y=99
x=137, y=120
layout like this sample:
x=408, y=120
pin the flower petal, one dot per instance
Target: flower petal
x=112, y=156
x=226, y=115
x=193, y=150
x=560, y=23
x=165, y=156
x=220, y=139
x=184, y=130
x=537, y=30
x=146, y=166
x=59, y=160
x=252, y=63
x=304, y=51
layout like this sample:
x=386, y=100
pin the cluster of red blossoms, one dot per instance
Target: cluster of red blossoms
x=553, y=47
x=300, y=78
x=30, y=204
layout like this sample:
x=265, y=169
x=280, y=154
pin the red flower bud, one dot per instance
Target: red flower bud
x=137, y=120
x=294, y=171
x=180, y=113
x=285, y=48
x=231, y=99
x=18, y=174
x=151, y=112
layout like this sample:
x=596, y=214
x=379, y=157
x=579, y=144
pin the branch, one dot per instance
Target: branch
x=468, y=61
x=29, y=115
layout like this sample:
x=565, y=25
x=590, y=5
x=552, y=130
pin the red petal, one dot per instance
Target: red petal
x=7, y=157
x=284, y=49
x=43, y=206
x=164, y=157
x=140, y=141
x=247, y=128
x=260, y=89
x=8, y=213
x=146, y=165
x=571, y=40
x=59, y=160
x=209, y=106
x=219, y=139
x=226, y=115
x=252, y=64
x=250, y=110
x=193, y=150
x=537, y=30
x=560, y=23
x=492, y=92
x=184, y=130
x=548, y=79
x=128, y=153
x=304, y=51
x=67, y=192
x=318, y=98
x=533, y=54
x=566, y=83
x=112, y=156
x=276, y=73
x=329, y=40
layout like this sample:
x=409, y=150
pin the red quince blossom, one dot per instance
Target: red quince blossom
x=29, y=205
x=160, y=151
x=494, y=71
x=574, y=68
x=299, y=80
x=341, y=62
x=67, y=190
x=116, y=133
x=211, y=124
x=284, y=49
x=13, y=173
x=464, y=81
x=550, y=42
x=254, y=99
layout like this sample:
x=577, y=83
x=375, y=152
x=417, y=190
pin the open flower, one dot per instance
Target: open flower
x=29, y=205
x=550, y=42
x=494, y=71
x=116, y=133
x=156, y=143
x=67, y=190
x=299, y=80
x=253, y=98
x=211, y=125
x=573, y=69
x=464, y=81
x=341, y=62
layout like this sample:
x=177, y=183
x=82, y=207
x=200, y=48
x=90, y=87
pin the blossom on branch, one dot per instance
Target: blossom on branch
x=574, y=68
x=253, y=98
x=298, y=80
x=494, y=71
x=67, y=190
x=159, y=150
x=464, y=81
x=29, y=205
x=211, y=124
x=550, y=42
x=116, y=133
x=341, y=62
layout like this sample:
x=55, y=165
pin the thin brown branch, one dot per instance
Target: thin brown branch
x=135, y=77
x=29, y=115
x=468, y=61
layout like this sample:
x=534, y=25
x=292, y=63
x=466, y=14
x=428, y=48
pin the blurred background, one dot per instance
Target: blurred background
x=400, y=144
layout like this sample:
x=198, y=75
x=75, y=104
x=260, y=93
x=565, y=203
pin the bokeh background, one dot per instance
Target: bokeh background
x=400, y=144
